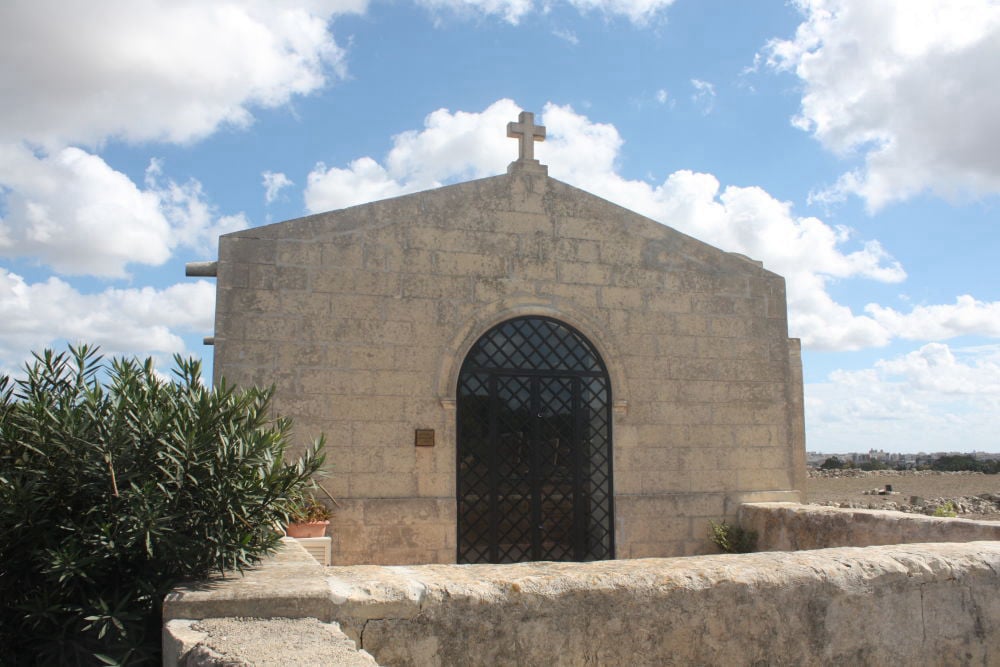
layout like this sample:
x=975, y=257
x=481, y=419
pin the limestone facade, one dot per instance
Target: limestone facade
x=362, y=318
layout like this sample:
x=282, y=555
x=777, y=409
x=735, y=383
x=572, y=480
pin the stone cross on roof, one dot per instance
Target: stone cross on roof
x=527, y=133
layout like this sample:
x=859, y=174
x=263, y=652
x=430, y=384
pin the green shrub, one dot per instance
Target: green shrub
x=116, y=485
x=306, y=508
x=733, y=539
x=947, y=511
x=835, y=463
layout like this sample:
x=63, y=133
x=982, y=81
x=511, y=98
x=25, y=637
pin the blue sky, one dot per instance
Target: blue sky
x=851, y=145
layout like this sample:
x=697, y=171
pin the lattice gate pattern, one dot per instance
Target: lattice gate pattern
x=534, y=447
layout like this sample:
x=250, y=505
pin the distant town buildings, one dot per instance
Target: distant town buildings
x=895, y=459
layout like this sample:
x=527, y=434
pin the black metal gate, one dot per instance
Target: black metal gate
x=534, y=447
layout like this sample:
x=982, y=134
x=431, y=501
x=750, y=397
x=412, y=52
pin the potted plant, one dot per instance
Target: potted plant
x=308, y=518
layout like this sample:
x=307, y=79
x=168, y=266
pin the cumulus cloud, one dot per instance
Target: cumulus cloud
x=159, y=70
x=274, y=183
x=452, y=146
x=908, y=86
x=638, y=12
x=934, y=398
x=809, y=252
x=122, y=321
x=75, y=213
x=966, y=317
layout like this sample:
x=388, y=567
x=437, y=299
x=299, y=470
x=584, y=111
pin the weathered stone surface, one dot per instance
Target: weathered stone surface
x=921, y=604
x=255, y=642
x=288, y=584
x=784, y=526
x=361, y=319
x=927, y=604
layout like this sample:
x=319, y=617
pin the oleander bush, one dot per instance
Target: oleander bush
x=117, y=484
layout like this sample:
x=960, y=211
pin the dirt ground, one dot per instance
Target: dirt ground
x=930, y=486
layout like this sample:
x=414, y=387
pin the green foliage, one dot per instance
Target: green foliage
x=947, y=511
x=115, y=486
x=306, y=508
x=874, y=465
x=960, y=462
x=733, y=539
x=833, y=463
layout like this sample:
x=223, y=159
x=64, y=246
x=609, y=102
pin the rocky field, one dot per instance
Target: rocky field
x=973, y=495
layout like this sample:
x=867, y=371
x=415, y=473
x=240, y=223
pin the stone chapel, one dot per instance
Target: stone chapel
x=513, y=369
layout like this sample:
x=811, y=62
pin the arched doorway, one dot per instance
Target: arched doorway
x=534, y=446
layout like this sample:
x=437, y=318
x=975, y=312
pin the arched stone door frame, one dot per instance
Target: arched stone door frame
x=534, y=445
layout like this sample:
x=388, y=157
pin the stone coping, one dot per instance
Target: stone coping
x=257, y=642
x=289, y=584
x=292, y=585
x=908, y=604
x=783, y=526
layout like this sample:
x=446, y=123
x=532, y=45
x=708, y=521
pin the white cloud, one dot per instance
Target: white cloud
x=638, y=12
x=967, y=316
x=704, y=95
x=75, y=213
x=662, y=96
x=274, y=183
x=451, y=146
x=934, y=398
x=748, y=220
x=122, y=321
x=567, y=36
x=158, y=69
x=909, y=85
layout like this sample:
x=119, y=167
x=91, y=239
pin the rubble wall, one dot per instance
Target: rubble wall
x=794, y=527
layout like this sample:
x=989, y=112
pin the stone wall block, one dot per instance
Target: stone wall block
x=682, y=413
x=490, y=290
x=291, y=278
x=392, y=511
x=717, y=480
x=356, y=307
x=437, y=287
x=383, y=485
x=533, y=269
x=580, y=296
x=584, y=273
x=664, y=481
x=762, y=480
x=577, y=250
x=310, y=354
x=344, y=253
x=247, y=250
x=291, y=252
x=272, y=328
x=637, y=277
x=460, y=240
x=435, y=484
x=261, y=276
x=373, y=283
x=620, y=297
x=470, y=264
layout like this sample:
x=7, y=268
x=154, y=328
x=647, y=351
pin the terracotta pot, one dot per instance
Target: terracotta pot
x=311, y=529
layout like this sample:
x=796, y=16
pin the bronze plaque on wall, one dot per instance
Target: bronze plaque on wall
x=424, y=437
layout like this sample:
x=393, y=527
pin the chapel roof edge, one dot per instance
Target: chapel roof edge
x=361, y=217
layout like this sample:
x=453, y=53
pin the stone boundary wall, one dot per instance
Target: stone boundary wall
x=924, y=604
x=794, y=527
